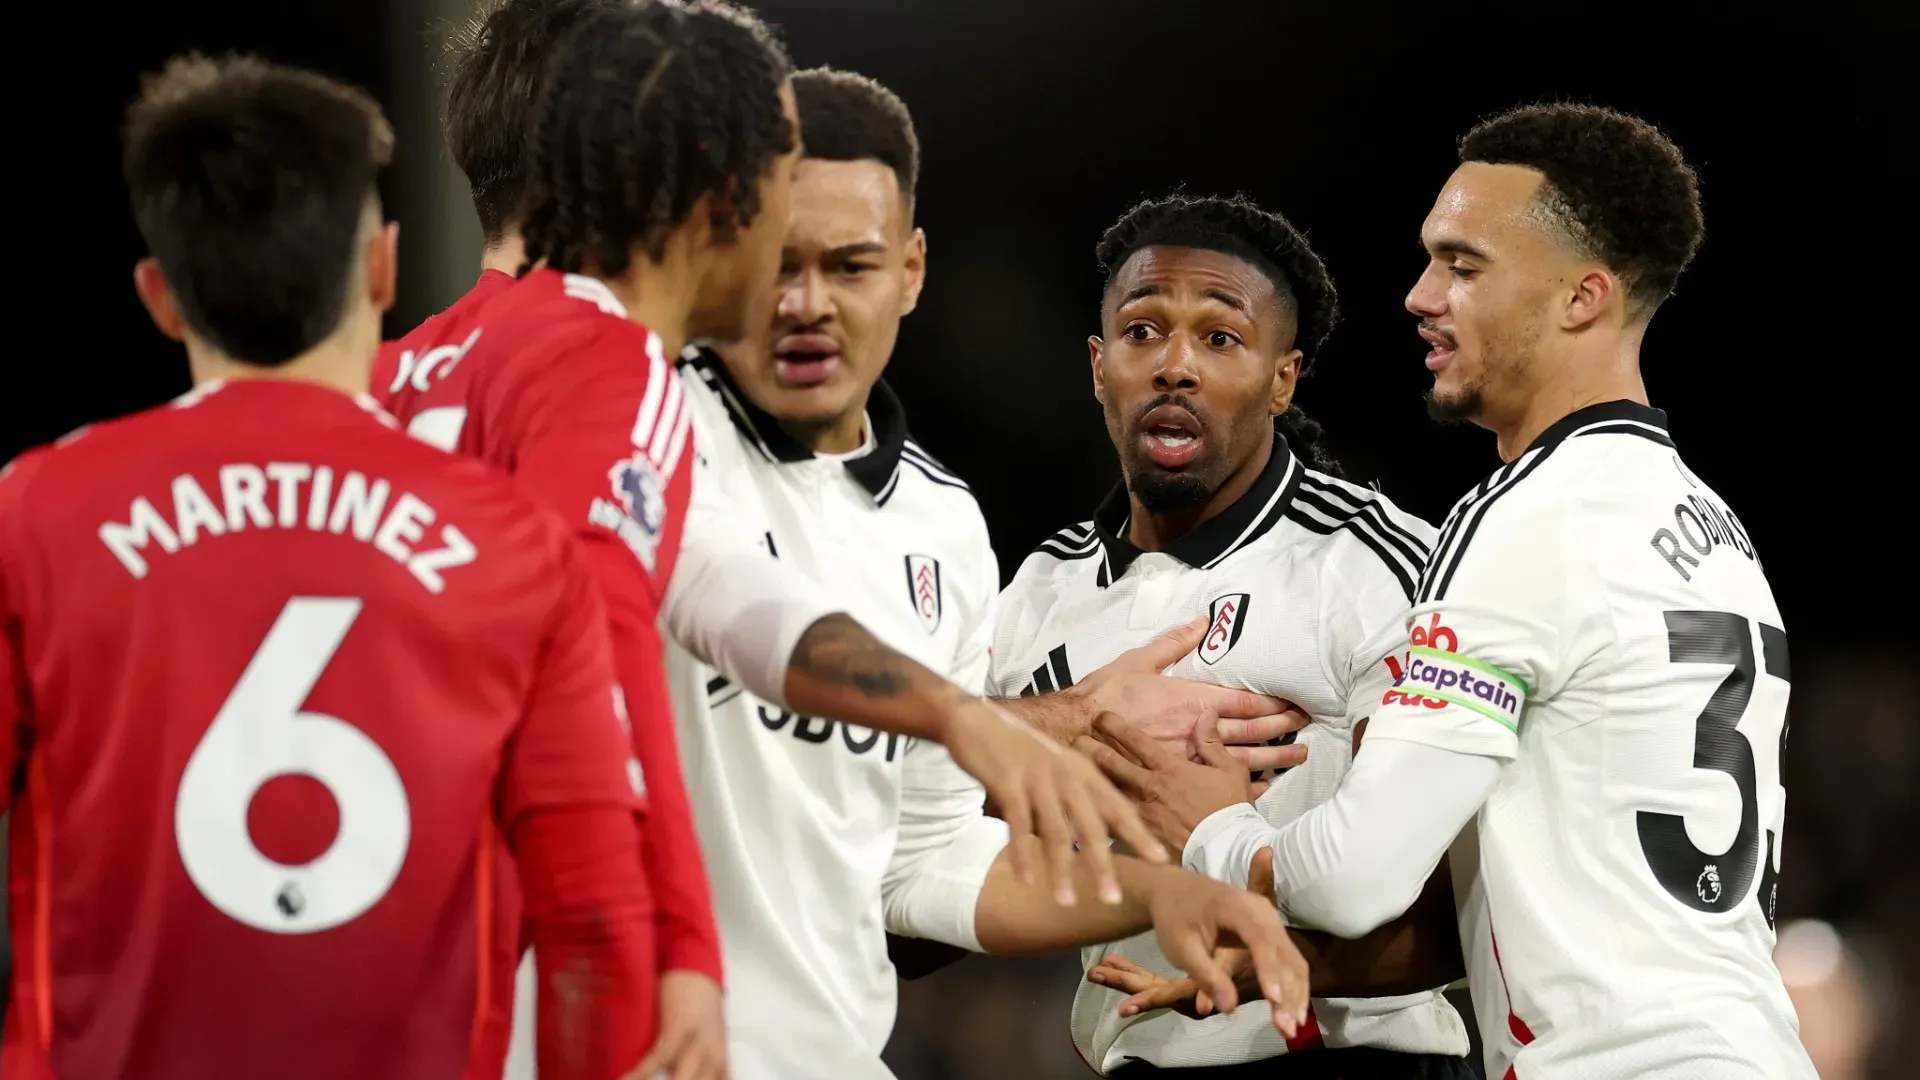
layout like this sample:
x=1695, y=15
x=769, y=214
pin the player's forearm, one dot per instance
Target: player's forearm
x=840, y=669
x=1359, y=859
x=588, y=921
x=1012, y=919
x=1418, y=951
x=1062, y=715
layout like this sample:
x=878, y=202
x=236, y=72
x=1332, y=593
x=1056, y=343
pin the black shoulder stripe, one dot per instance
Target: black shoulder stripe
x=1450, y=529
x=1628, y=427
x=1367, y=514
x=1367, y=499
x=915, y=451
x=936, y=477
x=1393, y=561
x=1442, y=568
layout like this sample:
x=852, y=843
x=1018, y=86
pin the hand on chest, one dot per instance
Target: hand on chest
x=1258, y=637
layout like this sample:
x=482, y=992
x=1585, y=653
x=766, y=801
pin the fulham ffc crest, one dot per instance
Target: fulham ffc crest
x=923, y=589
x=1225, y=619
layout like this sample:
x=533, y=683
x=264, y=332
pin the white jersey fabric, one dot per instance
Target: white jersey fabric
x=1595, y=617
x=820, y=835
x=1307, y=579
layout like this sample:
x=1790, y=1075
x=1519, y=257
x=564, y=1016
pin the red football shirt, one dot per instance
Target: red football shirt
x=406, y=357
x=285, y=681
x=549, y=379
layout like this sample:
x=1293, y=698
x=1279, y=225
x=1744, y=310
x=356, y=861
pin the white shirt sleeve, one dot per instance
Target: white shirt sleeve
x=946, y=843
x=730, y=602
x=1508, y=616
x=1359, y=859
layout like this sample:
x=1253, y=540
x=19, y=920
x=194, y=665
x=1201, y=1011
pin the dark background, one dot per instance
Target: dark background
x=1780, y=359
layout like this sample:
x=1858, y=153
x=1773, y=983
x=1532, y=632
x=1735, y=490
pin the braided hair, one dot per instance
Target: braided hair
x=1264, y=240
x=646, y=109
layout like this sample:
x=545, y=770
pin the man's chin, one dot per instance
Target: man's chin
x=1164, y=491
x=1454, y=406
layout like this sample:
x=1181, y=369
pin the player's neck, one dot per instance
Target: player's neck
x=1612, y=376
x=505, y=254
x=1153, y=532
x=841, y=435
x=658, y=296
x=336, y=363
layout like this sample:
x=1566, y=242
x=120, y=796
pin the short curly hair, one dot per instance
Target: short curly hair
x=1615, y=184
x=647, y=108
x=849, y=117
x=1238, y=227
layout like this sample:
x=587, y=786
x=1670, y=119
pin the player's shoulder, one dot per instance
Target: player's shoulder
x=1360, y=537
x=924, y=485
x=1552, y=508
x=1058, y=562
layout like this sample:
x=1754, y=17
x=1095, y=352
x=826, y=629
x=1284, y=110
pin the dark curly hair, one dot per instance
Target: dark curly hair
x=646, y=108
x=1615, y=184
x=1268, y=242
x=498, y=58
x=849, y=117
x=250, y=183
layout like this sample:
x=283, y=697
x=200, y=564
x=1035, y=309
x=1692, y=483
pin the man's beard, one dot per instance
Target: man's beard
x=1168, y=493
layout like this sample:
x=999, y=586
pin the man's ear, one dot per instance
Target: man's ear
x=1286, y=378
x=383, y=266
x=157, y=296
x=1094, y=348
x=916, y=270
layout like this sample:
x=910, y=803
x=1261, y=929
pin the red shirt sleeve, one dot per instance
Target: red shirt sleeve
x=571, y=748
x=593, y=946
x=610, y=446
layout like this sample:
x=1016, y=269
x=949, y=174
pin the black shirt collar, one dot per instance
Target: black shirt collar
x=874, y=470
x=1608, y=417
x=1248, y=519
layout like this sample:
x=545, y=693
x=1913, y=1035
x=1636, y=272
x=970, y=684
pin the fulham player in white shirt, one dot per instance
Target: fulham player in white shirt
x=1596, y=679
x=1213, y=307
x=821, y=834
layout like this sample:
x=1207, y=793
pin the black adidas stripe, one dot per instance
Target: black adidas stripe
x=1629, y=427
x=1352, y=523
x=1371, y=504
x=912, y=451
x=1406, y=554
x=935, y=477
x=1469, y=523
x=1450, y=529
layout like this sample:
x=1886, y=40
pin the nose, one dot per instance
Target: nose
x=805, y=298
x=1428, y=299
x=1176, y=367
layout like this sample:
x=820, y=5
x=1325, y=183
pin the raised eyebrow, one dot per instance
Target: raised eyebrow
x=1236, y=303
x=1139, y=292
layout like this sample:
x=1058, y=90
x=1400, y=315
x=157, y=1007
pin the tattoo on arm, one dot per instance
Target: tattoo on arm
x=837, y=651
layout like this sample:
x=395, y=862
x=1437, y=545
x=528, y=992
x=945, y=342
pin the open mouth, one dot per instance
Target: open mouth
x=1443, y=348
x=802, y=360
x=1171, y=436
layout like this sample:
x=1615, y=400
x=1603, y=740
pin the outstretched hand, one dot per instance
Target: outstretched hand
x=1148, y=990
x=1228, y=941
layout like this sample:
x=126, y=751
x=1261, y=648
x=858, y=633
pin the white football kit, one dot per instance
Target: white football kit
x=1595, y=644
x=1307, y=579
x=821, y=835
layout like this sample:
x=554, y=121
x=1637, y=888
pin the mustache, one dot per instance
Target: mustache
x=1433, y=328
x=1178, y=400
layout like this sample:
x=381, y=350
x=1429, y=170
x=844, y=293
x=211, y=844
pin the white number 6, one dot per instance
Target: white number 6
x=260, y=733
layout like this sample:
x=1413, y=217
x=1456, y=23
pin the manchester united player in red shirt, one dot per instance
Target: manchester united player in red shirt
x=296, y=694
